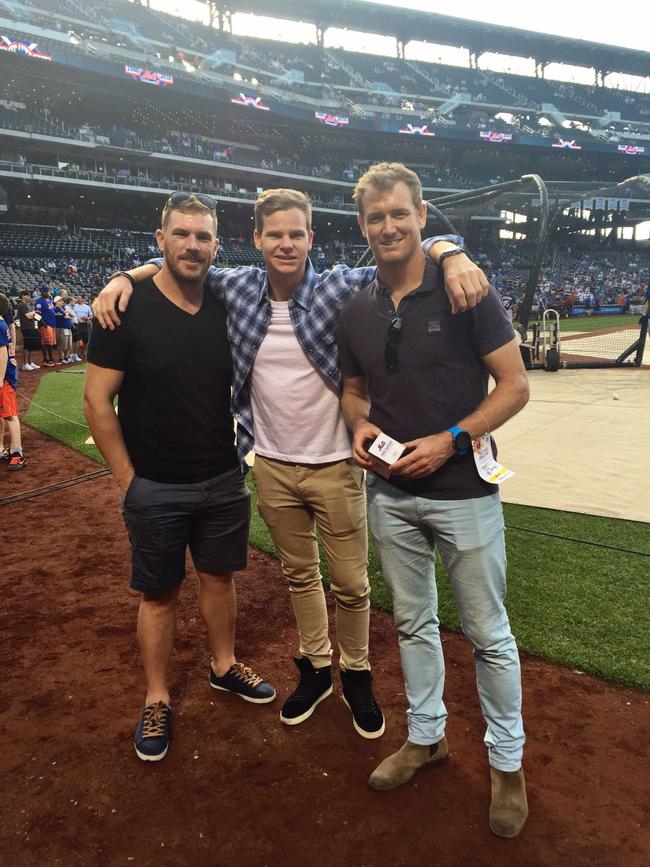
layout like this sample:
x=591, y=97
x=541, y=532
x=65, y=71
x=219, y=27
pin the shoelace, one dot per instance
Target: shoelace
x=305, y=687
x=362, y=701
x=244, y=673
x=155, y=719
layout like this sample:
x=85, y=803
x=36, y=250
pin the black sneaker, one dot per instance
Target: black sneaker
x=315, y=685
x=243, y=681
x=367, y=717
x=153, y=732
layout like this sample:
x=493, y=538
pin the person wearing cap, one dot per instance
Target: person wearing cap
x=44, y=309
x=64, y=320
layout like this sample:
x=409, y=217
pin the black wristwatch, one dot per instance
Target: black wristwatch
x=460, y=439
x=122, y=274
x=452, y=251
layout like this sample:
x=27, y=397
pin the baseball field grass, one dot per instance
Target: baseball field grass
x=578, y=585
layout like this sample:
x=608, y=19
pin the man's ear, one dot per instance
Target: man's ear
x=160, y=240
x=257, y=239
x=310, y=236
x=422, y=215
x=362, y=225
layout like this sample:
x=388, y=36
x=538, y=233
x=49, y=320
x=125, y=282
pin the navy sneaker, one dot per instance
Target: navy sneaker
x=243, y=681
x=153, y=732
x=315, y=685
x=367, y=718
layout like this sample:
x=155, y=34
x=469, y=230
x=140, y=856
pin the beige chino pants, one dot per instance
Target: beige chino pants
x=296, y=499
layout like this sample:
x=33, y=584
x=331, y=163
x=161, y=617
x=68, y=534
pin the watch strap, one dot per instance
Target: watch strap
x=454, y=431
x=454, y=251
x=122, y=274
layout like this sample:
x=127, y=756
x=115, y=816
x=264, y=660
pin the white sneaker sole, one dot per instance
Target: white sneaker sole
x=371, y=736
x=147, y=758
x=294, y=721
x=245, y=697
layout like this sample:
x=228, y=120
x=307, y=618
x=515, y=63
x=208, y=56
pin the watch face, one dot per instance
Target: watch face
x=462, y=441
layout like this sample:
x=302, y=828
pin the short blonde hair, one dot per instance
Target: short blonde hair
x=383, y=177
x=271, y=201
x=191, y=205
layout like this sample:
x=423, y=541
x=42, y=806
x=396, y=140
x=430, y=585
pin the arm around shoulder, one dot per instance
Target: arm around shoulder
x=114, y=297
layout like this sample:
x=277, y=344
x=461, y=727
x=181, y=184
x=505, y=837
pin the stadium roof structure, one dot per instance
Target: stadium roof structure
x=478, y=37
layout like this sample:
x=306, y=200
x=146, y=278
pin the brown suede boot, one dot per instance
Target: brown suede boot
x=509, y=805
x=402, y=766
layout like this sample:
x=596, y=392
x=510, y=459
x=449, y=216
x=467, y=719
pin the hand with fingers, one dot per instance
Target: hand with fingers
x=466, y=285
x=112, y=300
x=363, y=432
x=427, y=455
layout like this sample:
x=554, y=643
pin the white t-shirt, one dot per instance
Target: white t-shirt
x=296, y=412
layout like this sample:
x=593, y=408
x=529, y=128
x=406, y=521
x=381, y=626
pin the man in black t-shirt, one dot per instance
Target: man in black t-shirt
x=28, y=329
x=172, y=453
x=417, y=373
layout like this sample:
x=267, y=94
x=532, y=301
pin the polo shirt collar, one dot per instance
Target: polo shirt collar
x=428, y=284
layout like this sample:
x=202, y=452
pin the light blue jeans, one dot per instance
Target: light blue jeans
x=470, y=537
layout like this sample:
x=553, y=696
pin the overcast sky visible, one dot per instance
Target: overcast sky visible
x=626, y=25
x=597, y=22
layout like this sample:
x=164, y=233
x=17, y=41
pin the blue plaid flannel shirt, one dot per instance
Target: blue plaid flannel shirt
x=314, y=309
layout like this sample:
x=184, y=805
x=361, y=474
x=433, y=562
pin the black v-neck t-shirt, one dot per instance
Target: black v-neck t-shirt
x=174, y=403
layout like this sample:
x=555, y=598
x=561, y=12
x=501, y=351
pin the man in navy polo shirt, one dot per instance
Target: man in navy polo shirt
x=418, y=374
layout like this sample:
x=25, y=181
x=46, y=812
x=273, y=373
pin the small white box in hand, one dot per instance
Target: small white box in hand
x=385, y=451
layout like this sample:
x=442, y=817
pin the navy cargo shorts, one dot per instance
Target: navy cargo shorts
x=211, y=517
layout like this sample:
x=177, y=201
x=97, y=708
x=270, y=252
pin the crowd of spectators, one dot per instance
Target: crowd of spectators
x=568, y=279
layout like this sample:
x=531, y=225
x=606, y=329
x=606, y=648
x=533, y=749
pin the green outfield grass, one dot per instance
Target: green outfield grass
x=593, y=323
x=583, y=606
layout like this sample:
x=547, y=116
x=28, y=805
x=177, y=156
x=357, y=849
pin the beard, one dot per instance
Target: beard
x=194, y=279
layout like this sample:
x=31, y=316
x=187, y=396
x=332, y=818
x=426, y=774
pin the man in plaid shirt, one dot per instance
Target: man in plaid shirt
x=286, y=384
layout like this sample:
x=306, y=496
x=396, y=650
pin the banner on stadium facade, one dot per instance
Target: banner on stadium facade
x=631, y=150
x=331, y=119
x=625, y=204
x=250, y=102
x=148, y=76
x=612, y=204
x=19, y=46
x=412, y=129
x=575, y=206
x=599, y=203
x=588, y=204
x=495, y=137
x=571, y=144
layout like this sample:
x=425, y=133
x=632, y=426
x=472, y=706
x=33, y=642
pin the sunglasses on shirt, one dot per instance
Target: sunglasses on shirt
x=393, y=335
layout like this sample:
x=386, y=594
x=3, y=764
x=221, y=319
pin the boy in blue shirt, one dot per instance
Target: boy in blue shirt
x=8, y=407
